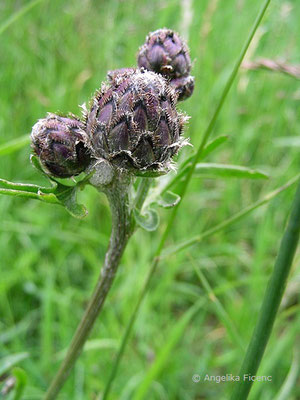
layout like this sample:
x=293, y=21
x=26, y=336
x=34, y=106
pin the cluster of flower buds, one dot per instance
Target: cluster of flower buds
x=132, y=121
x=164, y=52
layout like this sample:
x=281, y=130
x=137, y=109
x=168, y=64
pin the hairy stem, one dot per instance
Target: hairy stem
x=122, y=229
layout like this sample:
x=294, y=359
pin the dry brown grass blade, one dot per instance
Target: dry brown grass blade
x=272, y=65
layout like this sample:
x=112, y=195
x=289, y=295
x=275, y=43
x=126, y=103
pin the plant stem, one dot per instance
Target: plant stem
x=142, y=192
x=122, y=229
x=271, y=302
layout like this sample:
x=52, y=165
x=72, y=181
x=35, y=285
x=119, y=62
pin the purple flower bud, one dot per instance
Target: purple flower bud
x=61, y=145
x=166, y=53
x=133, y=121
x=183, y=86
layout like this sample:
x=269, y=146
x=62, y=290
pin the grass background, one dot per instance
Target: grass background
x=52, y=59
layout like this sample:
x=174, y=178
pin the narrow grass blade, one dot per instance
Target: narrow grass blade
x=228, y=171
x=209, y=148
x=291, y=379
x=14, y=145
x=165, y=354
x=271, y=301
x=219, y=309
x=19, y=328
x=212, y=145
x=283, y=346
x=15, y=17
x=185, y=166
x=234, y=218
x=287, y=141
x=6, y=363
x=90, y=345
x=21, y=381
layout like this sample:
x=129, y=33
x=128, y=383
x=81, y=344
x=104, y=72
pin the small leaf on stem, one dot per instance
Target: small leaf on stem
x=168, y=200
x=148, y=220
x=56, y=193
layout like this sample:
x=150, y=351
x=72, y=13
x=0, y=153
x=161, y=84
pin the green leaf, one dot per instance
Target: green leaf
x=29, y=190
x=21, y=381
x=168, y=200
x=186, y=164
x=67, y=196
x=27, y=187
x=148, y=220
x=228, y=171
x=14, y=145
x=46, y=197
x=6, y=363
x=56, y=193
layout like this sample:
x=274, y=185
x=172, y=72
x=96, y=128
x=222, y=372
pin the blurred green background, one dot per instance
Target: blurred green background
x=52, y=58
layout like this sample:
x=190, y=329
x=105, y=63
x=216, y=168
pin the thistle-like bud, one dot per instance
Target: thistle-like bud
x=133, y=121
x=61, y=145
x=183, y=86
x=166, y=53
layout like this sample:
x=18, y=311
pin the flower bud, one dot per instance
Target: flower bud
x=166, y=53
x=61, y=145
x=133, y=121
x=183, y=86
